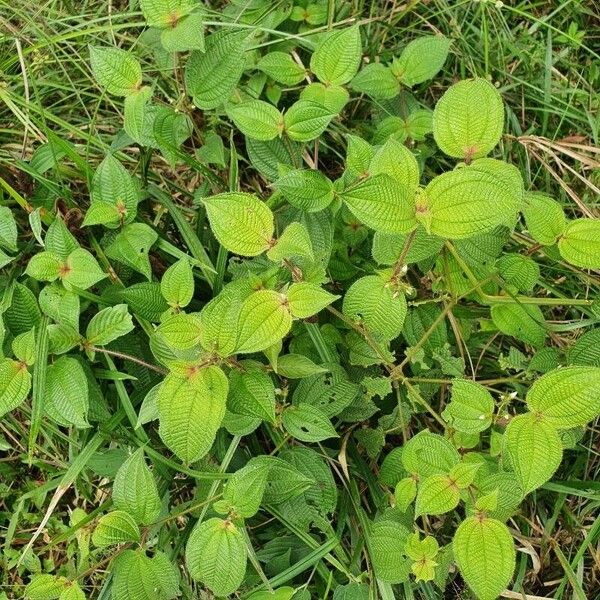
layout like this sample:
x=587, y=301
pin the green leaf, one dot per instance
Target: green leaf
x=170, y=129
x=374, y=302
x=466, y=201
x=145, y=300
x=188, y=34
x=23, y=347
x=15, y=383
x=115, y=195
x=471, y=407
x=138, y=117
x=60, y=305
x=485, y=553
x=137, y=577
x=45, y=266
x=337, y=57
x=306, y=189
x=586, y=350
x=256, y=119
x=522, y=321
x=252, y=393
x=264, y=319
x=109, y=324
x=330, y=392
x=428, y=454
x=244, y=490
x=437, y=494
x=219, y=319
x=241, y=222
x=332, y=97
x=468, y=119
x=165, y=13
x=62, y=338
x=45, y=587
x=544, y=217
x=66, y=398
x=115, y=527
x=293, y=242
x=421, y=59
x=521, y=271
x=580, y=243
x=8, y=229
x=377, y=81
x=59, y=239
x=307, y=423
x=282, y=593
x=534, y=449
x=177, y=284
x=405, y=492
x=211, y=76
x=191, y=410
x=387, y=247
x=397, y=161
x=566, y=397
x=305, y=121
x=131, y=247
x=281, y=67
x=266, y=156
x=381, y=203
x=386, y=542
x=181, y=331
x=216, y=556
x=297, y=366
x=116, y=70
x=134, y=489
x=81, y=270
x=307, y=299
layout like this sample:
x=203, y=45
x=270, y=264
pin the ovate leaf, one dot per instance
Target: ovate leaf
x=256, y=119
x=264, y=319
x=382, y=203
x=464, y=202
x=164, y=13
x=294, y=241
x=375, y=303
x=471, y=407
x=177, y=284
x=436, y=495
x=307, y=423
x=241, y=222
x=190, y=410
x=187, y=34
x=305, y=121
x=215, y=555
x=116, y=527
x=377, y=81
x=8, y=229
x=66, y=400
x=131, y=247
x=485, y=553
x=244, y=490
x=134, y=489
x=337, y=57
x=211, y=76
x=386, y=542
x=307, y=299
x=252, y=393
x=397, y=161
x=109, y=324
x=421, y=59
x=580, y=243
x=116, y=70
x=81, y=270
x=282, y=68
x=15, y=383
x=544, y=217
x=468, y=119
x=534, y=449
x=306, y=189
x=566, y=397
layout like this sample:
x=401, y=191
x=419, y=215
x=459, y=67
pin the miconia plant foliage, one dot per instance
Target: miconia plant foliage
x=271, y=332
